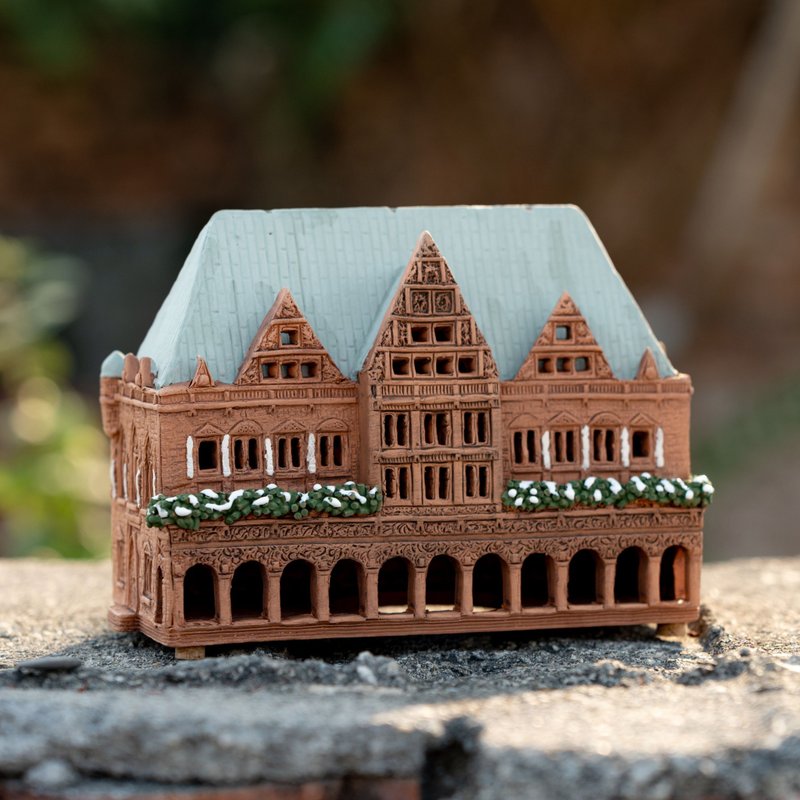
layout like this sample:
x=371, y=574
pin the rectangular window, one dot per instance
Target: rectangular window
x=640, y=444
x=524, y=444
x=397, y=483
x=582, y=364
x=604, y=446
x=437, y=482
x=564, y=451
x=545, y=366
x=564, y=364
x=476, y=428
x=444, y=365
x=395, y=430
x=308, y=369
x=245, y=454
x=290, y=449
x=467, y=365
x=289, y=369
x=331, y=450
x=443, y=333
x=207, y=455
x=269, y=370
x=436, y=429
x=401, y=366
x=563, y=333
x=423, y=365
x=289, y=337
x=420, y=334
x=476, y=481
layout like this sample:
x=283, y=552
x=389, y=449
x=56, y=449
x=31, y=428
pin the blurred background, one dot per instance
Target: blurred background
x=125, y=123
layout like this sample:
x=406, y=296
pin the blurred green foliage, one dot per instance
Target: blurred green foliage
x=53, y=473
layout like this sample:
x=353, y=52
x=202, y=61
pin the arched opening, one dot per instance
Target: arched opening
x=247, y=591
x=535, y=579
x=199, y=593
x=583, y=587
x=296, y=582
x=441, y=584
x=346, y=588
x=487, y=583
x=394, y=586
x=673, y=579
x=630, y=576
x=158, y=616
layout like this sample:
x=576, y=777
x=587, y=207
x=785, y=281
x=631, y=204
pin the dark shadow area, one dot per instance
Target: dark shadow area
x=394, y=585
x=673, y=578
x=346, y=588
x=535, y=580
x=441, y=584
x=247, y=591
x=584, y=572
x=630, y=576
x=296, y=582
x=487, y=583
x=199, y=593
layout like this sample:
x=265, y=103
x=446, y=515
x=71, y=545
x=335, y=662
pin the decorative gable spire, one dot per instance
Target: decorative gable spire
x=648, y=369
x=566, y=348
x=202, y=375
x=285, y=348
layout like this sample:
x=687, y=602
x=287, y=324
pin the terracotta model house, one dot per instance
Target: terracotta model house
x=376, y=421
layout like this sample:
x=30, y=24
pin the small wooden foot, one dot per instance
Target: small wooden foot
x=189, y=653
x=672, y=630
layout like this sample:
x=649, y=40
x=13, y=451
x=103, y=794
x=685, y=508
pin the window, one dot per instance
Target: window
x=289, y=337
x=290, y=452
x=604, y=445
x=308, y=369
x=582, y=364
x=443, y=334
x=420, y=334
x=437, y=482
x=245, y=454
x=423, y=365
x=640, y=444
x=545, y=366
x=476, y=481
x=476, y=427
x=289, y=369
x=401, y=366
x=397, y=483
x=207, y=454
x=467, y=365
x=269, y=370
x=395, y=430
x=563, y=333
x=564, y=451
x=436, y=428
x=524, y=446
x=563, y=364
x=331, y=450
x=444, y=365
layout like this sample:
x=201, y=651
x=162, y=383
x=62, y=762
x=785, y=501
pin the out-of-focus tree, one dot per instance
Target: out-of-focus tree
x=53, y=475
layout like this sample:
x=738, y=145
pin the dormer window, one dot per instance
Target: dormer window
x=309, y=370
x=289, y=337
x=289, y=369
x=269, y=370
x=563, y=333
x=420, y=334
x=443, y=334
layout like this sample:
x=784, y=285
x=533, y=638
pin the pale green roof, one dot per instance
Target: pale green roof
x=512, y=263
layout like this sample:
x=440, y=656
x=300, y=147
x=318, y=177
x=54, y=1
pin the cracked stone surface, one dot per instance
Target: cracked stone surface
x=618, y=713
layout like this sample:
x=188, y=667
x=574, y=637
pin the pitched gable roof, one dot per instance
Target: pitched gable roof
x=511, y=262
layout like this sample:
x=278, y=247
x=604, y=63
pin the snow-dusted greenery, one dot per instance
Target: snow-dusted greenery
x=189, y=510
x=597, y=492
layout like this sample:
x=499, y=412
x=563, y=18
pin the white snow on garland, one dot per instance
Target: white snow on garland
x=593, y=492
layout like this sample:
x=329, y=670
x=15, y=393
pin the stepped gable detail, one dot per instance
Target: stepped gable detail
x=565, y=349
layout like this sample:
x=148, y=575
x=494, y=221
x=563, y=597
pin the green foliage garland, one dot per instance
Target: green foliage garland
x=189, y=510
x=599, y=492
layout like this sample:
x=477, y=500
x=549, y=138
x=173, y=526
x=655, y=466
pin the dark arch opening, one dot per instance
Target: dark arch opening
x=673, y=580
x=158, y=616
x=535, y=579
x=487, y=583
x=394, y=586
x=199, y=593
x=346, y=588
x=441, y=584
x=630, y=576
x=247, y=591
x=296, y=580
x=584, y=577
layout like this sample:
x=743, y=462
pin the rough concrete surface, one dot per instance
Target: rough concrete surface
x=606, y=713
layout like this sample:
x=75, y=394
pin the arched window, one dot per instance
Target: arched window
x=199, y=593
x=441, y=584
x=536, y=580
x=346, y=594
x=394, y=586
x=673, y=580
x=585, y=575
x=296, y=583
x=158, y=614
x=487, y=583
x=630, y=578
x=247, y=591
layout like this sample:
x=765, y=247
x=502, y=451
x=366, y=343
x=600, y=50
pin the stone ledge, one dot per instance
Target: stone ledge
x=474, y=716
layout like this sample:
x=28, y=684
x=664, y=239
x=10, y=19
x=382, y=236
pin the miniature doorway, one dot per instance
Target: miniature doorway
x=395, y=581
x=296, y=583
x=583, y=587
x=441, y=584
x=247, y=591
x=199, y=593
x=487, y=584
x=630, y=578
x=536, y=582
x=346, y=593
x=673, y=578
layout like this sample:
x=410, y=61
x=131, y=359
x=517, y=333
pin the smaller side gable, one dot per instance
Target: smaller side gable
x=286, y=350
x=565, y=349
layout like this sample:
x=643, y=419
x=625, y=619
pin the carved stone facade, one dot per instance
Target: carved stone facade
x=429, y=420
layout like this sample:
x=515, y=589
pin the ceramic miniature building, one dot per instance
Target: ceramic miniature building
x=491, y=387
